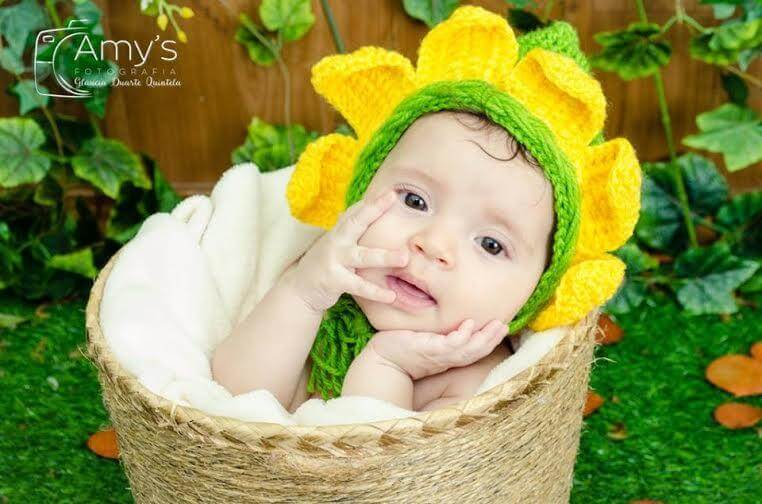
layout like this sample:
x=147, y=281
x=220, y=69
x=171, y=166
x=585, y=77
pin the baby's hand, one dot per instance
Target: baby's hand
x=327, y=270
x=422, y=354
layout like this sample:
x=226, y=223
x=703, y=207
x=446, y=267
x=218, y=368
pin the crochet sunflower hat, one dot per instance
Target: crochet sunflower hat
x=539, y=89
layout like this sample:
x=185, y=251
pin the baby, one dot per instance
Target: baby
x=448, y=243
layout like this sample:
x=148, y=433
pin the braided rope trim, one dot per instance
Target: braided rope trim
x=329, y=441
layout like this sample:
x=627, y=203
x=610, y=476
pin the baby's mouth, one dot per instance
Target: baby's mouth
x=410, y=290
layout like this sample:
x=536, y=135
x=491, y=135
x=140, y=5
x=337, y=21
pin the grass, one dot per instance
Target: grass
x=652, y=381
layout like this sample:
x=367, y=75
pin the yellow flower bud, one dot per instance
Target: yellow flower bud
x=162, y=21
x=181, y=36
x=186, y=12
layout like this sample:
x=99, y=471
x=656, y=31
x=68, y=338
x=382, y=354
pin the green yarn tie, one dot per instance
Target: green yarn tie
x=342, y=335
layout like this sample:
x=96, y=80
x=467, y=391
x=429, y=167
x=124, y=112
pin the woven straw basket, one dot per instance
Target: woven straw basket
x=516, y=442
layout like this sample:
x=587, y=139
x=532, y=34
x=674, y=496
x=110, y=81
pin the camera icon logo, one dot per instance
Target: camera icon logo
x=50, y=47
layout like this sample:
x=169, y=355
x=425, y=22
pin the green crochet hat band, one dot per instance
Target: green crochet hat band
x=481, y=97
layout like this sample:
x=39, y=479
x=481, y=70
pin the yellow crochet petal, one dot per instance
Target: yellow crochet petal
x=583, y=287
x=364, y=86
x=320, y=179
x=473, y=43
x=611, y=180
x=555, y=89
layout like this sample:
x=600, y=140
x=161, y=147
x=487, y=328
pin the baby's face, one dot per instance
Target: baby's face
x=476, y=263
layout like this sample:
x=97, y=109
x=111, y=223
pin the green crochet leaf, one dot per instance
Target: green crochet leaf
x=559, y=37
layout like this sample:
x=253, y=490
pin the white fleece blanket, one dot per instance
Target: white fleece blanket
x=188, y=277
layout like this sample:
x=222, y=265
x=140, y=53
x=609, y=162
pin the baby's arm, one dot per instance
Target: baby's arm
x=269, y=349
x=372, y=375
x=392, y=360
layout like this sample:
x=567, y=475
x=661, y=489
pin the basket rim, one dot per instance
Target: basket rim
x=488, y=403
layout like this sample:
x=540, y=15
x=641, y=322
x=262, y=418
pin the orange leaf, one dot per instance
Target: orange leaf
x=737, y=415
x=612, y=333
x=592, y=403
x=104, y=443
x=617, y=432
x=738, y=374
x=756, y=350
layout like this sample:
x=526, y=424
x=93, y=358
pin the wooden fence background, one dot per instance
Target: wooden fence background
x=192, y=129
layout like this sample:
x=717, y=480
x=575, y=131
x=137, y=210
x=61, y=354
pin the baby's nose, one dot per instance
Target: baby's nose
x=435, y=250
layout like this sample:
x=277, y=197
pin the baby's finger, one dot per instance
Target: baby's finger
x=365, y=257
x=461, y=335
x=357, y=222
x=487, y=338
x=359, y=286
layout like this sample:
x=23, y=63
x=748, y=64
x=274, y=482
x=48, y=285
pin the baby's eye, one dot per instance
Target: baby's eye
x=414, y=201
x=490, y=245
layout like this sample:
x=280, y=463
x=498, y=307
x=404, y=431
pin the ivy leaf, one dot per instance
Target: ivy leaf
x=635, y=258
x=165, y=195
x=736, y=35
x=632, y=292
x=85, y=9
x=18, y=22
x=96, y=103
x=29, y=98
x=635, y=52
x=746, y=57
x=107, y=163
x=699, y=49
x=431, y=12
x=48, y=193
x=733, y=131
x=706, y=188
x=724, y=44
x=711, y=275
x=76, y=57
x=345, y=129
x=524, y=20
x=79, y=262
x=266, y=145
x=293, y=18
x=743, y=214
x=259, y=53
x=134, y=204
x=128, y=213
x=741, y=209
x=21, y=162
x=754, y=284
x=723, y=10
x=630, y=296
x=661, y=223
x=660, y=218
x=10, y=258
x=735, y=87
x=10, y=62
